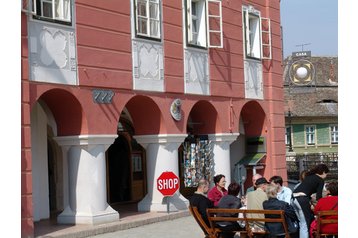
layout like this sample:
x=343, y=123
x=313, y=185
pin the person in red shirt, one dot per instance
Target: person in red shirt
x=218, y=191
x=329, y=203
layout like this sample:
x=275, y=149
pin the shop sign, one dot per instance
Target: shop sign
x=168, y=183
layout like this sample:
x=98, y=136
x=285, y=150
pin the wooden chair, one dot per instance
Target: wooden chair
x=215, y=216
x=279, y=218
x=208, y=231
x=325, y=218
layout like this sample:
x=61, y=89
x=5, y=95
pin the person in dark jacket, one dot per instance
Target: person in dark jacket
x=231, y=200
x=312, y=183
x=273, y=203
x=200, y=200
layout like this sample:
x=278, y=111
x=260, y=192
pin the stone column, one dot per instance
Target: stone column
x=221, y=150
x=85, y=166
x=162, y=155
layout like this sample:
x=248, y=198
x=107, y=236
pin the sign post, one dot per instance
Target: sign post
x=168, y=184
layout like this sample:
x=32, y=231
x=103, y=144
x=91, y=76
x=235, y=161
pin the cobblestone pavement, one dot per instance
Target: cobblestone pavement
x=180, y=227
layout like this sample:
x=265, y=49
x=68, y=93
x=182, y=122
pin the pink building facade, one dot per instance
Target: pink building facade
x=116, y=92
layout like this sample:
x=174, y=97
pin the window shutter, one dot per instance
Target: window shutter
x=189, y=21
x=29, y=6
x=214, y=24
x=247, y=32
x=266, y=38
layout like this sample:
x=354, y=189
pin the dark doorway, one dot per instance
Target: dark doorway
x=51, y=178
x=119, y=171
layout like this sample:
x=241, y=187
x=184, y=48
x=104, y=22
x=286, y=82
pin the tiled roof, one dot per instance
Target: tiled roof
x=320, y=98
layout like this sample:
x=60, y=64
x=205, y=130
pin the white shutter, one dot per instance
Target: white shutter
x=266, y=38
x=214, y=23
x=247, y=32
x=28, y=6
x=189, y=27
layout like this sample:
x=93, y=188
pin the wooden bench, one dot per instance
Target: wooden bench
x=325, y=218
x=216, y=215
x=208, y=231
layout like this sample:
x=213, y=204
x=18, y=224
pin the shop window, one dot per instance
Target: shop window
x=310, y=135
x=58, y=11
x=334, y=134
x=204, y=23
x=147, y=18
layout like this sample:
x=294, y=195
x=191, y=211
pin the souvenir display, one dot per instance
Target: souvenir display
x=198, y=161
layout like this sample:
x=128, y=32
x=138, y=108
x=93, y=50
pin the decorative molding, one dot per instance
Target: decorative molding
x=148, y=65
x=196, y=71
x=253, y=79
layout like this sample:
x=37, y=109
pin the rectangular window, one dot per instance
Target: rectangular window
x=310, y=135
x=252, y=34
x=204, y=23
x=288, y=135
x=334, y=134
x=58, y=11
x=147, y=15
x=257, y=34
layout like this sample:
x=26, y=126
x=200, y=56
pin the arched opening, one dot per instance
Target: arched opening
x=195, y=153
x=126, y=168
x=249, y=150
x=50, y=118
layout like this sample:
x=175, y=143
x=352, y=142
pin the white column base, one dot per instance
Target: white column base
x=97, y=217
x=176, y=203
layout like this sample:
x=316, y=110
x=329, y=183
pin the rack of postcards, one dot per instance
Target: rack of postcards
x=198, y=160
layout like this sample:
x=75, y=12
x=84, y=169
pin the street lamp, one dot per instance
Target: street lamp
x=289, y=116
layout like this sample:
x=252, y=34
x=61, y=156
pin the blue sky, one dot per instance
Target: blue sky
x=310, y=21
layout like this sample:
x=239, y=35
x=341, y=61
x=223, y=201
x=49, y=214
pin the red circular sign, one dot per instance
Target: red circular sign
x=168, y=183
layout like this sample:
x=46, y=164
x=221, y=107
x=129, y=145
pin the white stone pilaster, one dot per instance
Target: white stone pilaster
x=162, y=155
x=221, y=151
x=86, y=202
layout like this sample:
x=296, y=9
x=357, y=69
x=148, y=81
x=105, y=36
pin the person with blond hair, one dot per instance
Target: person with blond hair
x=273, y=203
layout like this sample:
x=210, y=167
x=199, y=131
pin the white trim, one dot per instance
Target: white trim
x=86, y=140
x=224, y=137
x=219, y=18
x=160, y=138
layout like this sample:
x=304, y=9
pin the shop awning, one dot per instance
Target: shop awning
x=251, y=159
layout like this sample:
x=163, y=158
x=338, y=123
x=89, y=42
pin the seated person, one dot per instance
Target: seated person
x=200, y=200
x=273, y=203
x=255, y=200
x=231, y=200
x=218, y=191
x=330, y=202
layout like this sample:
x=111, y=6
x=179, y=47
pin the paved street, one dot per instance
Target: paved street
x=181, y=227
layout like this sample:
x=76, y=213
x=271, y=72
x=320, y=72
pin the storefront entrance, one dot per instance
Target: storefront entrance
x=125, y=163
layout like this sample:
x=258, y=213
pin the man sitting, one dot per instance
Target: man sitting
x=200, y=200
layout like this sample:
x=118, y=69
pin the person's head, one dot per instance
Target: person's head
x=261, y=183
x=219, y=181
x=233, y=189
x=320, y=169
x=271, y=190
x=254, y=178
x=276, y=180
x=203, y=186
x=332, y=188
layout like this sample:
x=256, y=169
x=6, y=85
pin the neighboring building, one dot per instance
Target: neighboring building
x=114, y=93
x=311, y=104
